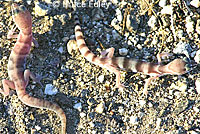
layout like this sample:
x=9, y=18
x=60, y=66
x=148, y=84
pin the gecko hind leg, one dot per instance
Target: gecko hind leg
x=7, y=84
x=28, y=73
x=108, y=53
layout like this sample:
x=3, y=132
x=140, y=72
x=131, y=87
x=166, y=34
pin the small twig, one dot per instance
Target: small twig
x=124, y=19
x=101, y=44
x=172, y=23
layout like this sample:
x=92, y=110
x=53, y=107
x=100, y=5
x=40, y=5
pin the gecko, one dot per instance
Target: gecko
x=19, y=77
x=113, y=64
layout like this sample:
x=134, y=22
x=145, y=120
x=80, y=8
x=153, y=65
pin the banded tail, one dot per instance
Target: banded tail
x=40, y=103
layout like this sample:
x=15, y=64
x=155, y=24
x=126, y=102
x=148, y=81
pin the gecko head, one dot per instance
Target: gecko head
x=177, y=66
x=21, y=17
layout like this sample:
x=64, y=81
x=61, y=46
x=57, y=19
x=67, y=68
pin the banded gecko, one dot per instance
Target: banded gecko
x=113, y=64
x=19, y=77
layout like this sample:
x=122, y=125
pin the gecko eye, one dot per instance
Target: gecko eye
x=16, y=11
x=23, y=8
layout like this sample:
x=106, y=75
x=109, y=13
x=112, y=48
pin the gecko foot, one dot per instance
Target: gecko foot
x=11, y=33
x=5, y=94
x=120, y=87
x=38, y=79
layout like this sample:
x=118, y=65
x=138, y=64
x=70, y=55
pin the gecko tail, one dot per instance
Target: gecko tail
x=40, y=103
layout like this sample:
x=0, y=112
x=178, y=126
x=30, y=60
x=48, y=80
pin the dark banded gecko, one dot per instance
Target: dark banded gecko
x=19, y=77
x=113, y=64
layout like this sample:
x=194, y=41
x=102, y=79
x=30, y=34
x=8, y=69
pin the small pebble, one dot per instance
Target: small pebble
x=91, y=124
x=183, y=87
x=50, y=89
x=198, y=26
x=152, y=22
x=142, y=103
x=133, y=120
x=158, y=122
x=82, y=114
x=162, y=3
x=78, y=106
x=189, y=25
x=119, y=14
x=41, y=10
x=100, y=107
x=195, y=3
x=28, y=2
x=101, y=78
x=197, y=84
x=123, y=51
x=120, y=109
x=196, y=109
x=60, y=49
x=197, y=57
x=37, y=127
x=167, y=10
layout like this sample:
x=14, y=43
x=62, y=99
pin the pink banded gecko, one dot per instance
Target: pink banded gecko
x=106, y=60
x=19, y=77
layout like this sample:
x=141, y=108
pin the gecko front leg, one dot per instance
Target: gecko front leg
x=28, y=73
x=108, y=53
x=12, y=34
x=162, y=55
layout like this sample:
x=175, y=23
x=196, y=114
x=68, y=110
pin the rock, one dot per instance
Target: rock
x=60, y=49
x=121, y=109
x=197, y=84
x=180, y=34
x=97, y=14
x=116, y=24
x=50, y=89
x=196, y=109
x=189, y=25
x=71, y=45
x=115, y=35
x=48, y=1
x=195, y=3
x=123, y=51
x=162, y=3
x=133, y=120
x=183, y=48
x=65, y=39
x=198, y=26
x=167, y=10
x=41, y=9
x=115, y=2
x=101, y=78
x=56, y=4
x=142, y=103
x=100, y=107
x=152, y=22
x=28, y=2
x=82, y=114
x=78, y=106
x=158, y=122
x=119, y=15
x=131, y=23
x=182, y=87
x=197, y=57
